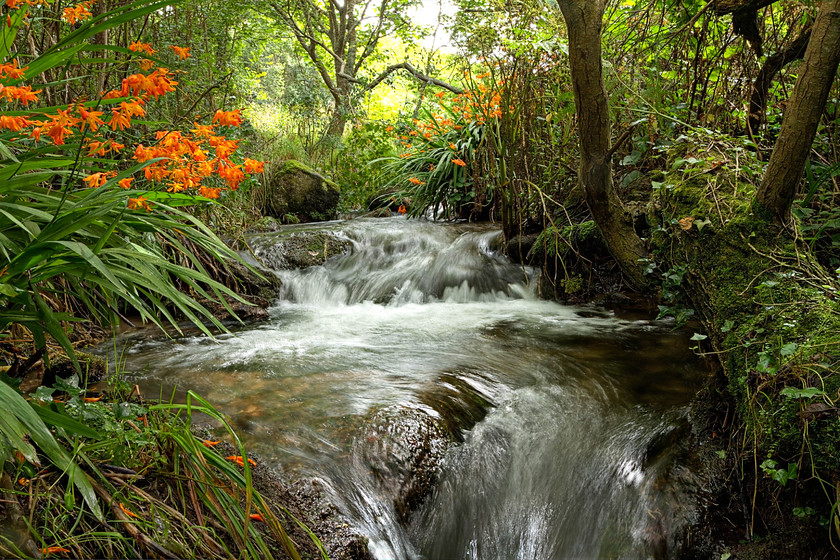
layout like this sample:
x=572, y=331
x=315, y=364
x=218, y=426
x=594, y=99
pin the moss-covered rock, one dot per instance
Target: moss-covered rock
x=302, y=249
x=296, y=190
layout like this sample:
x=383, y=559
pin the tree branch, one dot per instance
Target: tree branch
x=414, y=72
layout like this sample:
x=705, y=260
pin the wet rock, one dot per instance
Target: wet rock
x=519, y=246
x=341, y=541
x=404, y=447
x=297, y=190
x=303, y=249
x=458, y=404
x=383, y=212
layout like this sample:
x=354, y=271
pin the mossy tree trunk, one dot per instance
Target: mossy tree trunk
x=584, y=21
x=802, y=115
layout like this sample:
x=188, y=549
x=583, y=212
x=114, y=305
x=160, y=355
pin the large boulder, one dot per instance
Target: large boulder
x=295, y=189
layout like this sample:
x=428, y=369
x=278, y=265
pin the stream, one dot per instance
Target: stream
x=575, y=452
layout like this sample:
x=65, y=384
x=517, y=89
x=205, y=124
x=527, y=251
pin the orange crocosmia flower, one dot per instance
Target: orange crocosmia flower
x=208, y=443
x=401, y=209
x=92, y=399
x=460, y=162
x=95, y=180
x=90, y=118
x=137, y=46
x=95, y=148
x=182, y=52
x=156, y=172
x=146, y=64
x=143, y=154
x=416, y=181
x=209, y=192
x=119, y=120
x=14, y=123
x=389, y=128
x=440, y=94
x=11, y=70
x=24, y=94
x=162, y=84
x=139, y=203
x=175, y=187
x=203, y=130
x=232, y=174
x=54, y=550
x=76, y=13
x=253, y=166
x=132, y=108
x=13, y=4
x=206, y=168
x=125, y=183
x=224, y=148
x=57, y=128
x=452, y=146
x=257, y=517
x=199, y=155
x=240, y=460
x=228, y=118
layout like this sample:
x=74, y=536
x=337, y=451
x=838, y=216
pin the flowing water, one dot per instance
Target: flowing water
x=576, y=456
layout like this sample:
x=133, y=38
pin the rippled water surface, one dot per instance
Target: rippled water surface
x=569, y=461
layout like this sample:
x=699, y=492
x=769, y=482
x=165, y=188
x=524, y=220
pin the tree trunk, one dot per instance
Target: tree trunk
x=765, y=77
x=583, y=20
x=806, y=105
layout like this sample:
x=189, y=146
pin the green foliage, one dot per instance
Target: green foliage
x=150, y=477
x=352, y=166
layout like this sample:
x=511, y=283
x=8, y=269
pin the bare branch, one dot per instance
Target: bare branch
x=414, y=72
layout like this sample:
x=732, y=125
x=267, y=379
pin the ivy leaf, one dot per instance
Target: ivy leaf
x=44, y=394
x=807, y=393
x=788, y=349
x=727, y=326
x=698, y=336
x=701, y=223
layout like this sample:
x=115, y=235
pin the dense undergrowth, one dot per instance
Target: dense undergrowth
x=772, y=316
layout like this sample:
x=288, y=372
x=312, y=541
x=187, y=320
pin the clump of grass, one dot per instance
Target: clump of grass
x=155, y=488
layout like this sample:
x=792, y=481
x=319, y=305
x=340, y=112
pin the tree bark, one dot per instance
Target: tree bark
x=764, y=79
x=806, y=104
x=583, y=21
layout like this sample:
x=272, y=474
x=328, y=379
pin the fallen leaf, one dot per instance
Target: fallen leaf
x=685, y=223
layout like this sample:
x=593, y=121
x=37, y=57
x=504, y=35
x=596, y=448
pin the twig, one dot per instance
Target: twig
x=624, y=136
x=210, y=88
x=693, y=20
